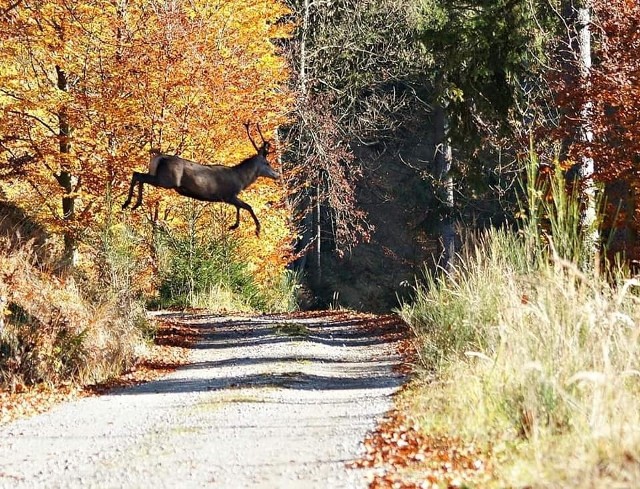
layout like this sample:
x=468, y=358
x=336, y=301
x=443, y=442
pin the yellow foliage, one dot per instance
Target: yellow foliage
x=180, y=76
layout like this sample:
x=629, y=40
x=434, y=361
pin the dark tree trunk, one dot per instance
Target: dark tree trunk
x=442, y=170
x=65, y=178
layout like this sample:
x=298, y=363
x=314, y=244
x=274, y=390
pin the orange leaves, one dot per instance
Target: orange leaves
x=28, y=402
x=177, y=76
x=614, y=92
x=209, y=76
x=411, y=459
x=607, y=103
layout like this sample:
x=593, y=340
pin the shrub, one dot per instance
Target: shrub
x=201, y=264
x=201, y=270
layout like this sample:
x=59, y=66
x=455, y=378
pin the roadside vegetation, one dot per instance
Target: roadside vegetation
x=531, y=355
x=91, y=325
x=54, y=333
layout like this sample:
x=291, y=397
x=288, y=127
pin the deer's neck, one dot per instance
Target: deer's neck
x=247, y=172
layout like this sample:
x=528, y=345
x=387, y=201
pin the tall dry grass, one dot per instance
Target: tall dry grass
x=53, y=333
x=531, y=351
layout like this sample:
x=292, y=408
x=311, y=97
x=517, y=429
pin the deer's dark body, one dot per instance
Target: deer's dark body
x=210, y=183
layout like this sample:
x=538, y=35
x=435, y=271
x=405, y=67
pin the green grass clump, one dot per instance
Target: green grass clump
x=535, y=353
x=291, y=329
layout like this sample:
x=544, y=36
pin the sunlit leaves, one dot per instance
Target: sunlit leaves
x=179, y=76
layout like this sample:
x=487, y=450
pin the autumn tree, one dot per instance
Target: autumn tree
x=352, y=66
x=612, y=96
x=45, y=60
x=89, y=88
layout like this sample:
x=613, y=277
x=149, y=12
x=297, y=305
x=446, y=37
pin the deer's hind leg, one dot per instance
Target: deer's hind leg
x=138, y=178
x=130, y=195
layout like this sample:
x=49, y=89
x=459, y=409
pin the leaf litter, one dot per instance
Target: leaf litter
x=410, y=459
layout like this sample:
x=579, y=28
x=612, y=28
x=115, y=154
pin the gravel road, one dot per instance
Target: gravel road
x=266, y=402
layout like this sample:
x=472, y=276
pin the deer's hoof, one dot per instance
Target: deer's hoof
x=231, y=228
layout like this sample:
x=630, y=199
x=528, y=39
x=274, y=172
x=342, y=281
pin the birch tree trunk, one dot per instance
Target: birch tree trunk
x=591, y=238
x=442, y=167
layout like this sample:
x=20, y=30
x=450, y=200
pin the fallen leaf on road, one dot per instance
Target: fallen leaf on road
x=410, y=459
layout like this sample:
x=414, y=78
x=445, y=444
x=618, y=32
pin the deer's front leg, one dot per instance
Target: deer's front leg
x=139, y=178
x=139, y=200
x=130, y=195
x=237, y=223
x=240, y=204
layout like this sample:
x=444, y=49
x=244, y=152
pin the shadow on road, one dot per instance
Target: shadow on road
x=253, y=345
x=292, y=380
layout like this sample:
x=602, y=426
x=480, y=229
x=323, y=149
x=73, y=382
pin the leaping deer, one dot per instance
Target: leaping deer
x=211, y=183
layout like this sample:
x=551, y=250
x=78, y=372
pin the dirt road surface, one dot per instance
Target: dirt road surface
x=266, y=402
